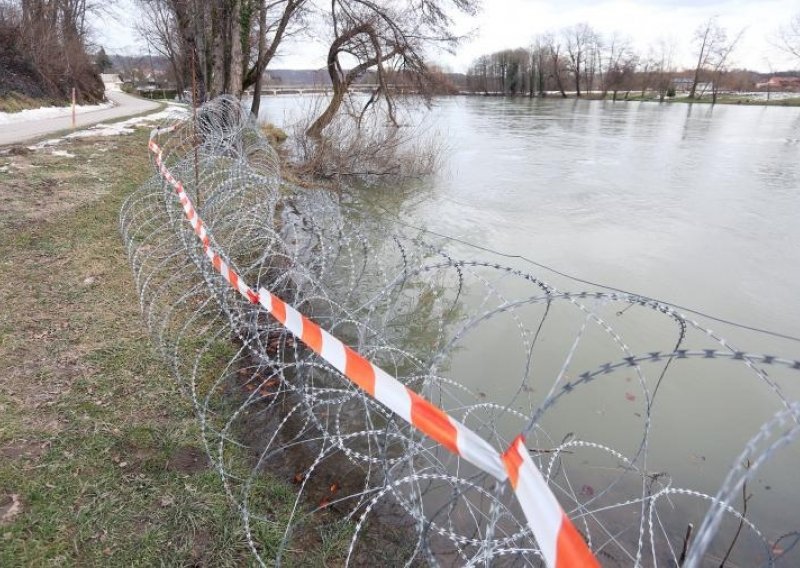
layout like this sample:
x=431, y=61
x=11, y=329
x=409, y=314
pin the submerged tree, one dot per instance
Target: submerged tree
x=580, y=41
x=389, y=39
x=713, y=52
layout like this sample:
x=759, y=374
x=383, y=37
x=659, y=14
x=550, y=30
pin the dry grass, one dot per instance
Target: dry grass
x=15, y=102
x=100, y=453
x=94, y=435
x=361, y=146
x=274, y=134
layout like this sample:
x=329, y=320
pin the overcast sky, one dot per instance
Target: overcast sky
x=505, y=24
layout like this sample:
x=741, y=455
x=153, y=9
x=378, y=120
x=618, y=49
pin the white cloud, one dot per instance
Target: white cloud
x=513, y=23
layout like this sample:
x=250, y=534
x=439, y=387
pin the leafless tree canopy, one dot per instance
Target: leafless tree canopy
x=713, y=52
x=581, y=43
x=789, y=37
x=47, y=40
x=577, y=57
x=224, y=46
x=390, y=38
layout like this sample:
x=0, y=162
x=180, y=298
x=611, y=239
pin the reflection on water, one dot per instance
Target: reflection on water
x=688, y=203
x=694, y=205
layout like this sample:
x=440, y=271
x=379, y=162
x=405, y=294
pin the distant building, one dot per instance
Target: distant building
x=684, y=84
x=112, y=81
x=781, y=84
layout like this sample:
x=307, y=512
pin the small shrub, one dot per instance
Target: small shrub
x=274, y=134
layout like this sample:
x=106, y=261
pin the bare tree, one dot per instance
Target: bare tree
x=593, y=61
x=619, y=76
x=478, y=75
x=713, y=50
x=617, y=64
x=721, y=65
x=157, y=27
x=53, y=36
x=538, y=65
x=579, y=40
x=662, y=66
x=224, y=45
x=558, y=68
x=789, y=37
x=276, y=20
x=389, y=38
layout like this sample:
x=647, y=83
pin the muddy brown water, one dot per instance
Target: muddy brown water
x=692, y=204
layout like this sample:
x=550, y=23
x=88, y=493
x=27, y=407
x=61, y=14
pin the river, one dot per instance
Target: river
x=691, y=204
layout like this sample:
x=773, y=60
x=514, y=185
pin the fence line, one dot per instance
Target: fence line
x=297, y=244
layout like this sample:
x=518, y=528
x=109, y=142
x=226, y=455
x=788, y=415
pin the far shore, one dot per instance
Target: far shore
x=776, y=99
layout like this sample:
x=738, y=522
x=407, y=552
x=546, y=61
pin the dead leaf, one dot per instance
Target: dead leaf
x=10, y=508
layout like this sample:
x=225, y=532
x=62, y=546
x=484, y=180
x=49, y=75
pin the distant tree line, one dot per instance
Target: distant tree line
x=581, y=60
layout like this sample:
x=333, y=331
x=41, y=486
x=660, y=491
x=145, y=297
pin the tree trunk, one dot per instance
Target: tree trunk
x=262, y=40
x=323, y=120
x=699, y=65
x=541, y=77
x=189, y=23
x=235, y=67
x=560, y=86
x=217, y=63
x=531, y=78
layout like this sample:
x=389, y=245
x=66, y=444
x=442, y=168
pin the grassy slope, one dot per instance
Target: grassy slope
x=14, y=102
x=100, y=462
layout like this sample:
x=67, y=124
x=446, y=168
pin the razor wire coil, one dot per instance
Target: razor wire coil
x=267, y=406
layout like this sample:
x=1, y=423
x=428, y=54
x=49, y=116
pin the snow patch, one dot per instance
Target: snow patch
x=62, y=154
x=118, y=128
x=48, y=112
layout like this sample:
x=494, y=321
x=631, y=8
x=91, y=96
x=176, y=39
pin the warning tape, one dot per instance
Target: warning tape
x=561, y=544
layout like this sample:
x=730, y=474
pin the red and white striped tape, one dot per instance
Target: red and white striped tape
x=560, y=543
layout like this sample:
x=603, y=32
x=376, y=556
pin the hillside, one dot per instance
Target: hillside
x=28, y=81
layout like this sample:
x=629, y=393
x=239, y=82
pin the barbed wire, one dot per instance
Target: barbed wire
x=601, y=382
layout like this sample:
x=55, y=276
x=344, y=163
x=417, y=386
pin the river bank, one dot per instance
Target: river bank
x=102, y=460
